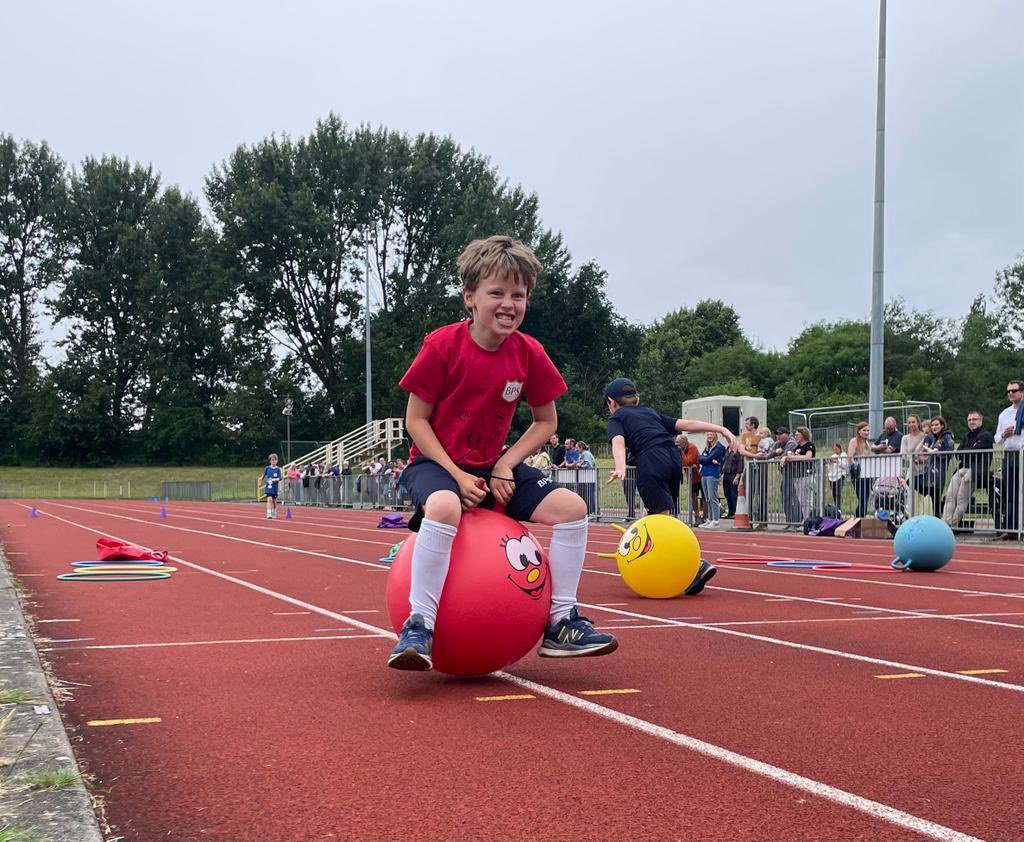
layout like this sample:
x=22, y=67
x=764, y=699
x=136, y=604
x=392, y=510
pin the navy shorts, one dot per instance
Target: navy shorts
x=425, y=476
x=658, y=474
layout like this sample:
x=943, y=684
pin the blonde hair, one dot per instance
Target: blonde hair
x=627, y=400
x=804, y=432
x=498, y=255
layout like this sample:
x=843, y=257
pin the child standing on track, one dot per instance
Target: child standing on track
x=463, y=389
x=271, y=484
x=649, y=436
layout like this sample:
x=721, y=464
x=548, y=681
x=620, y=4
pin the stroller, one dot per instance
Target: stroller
x=891, y=493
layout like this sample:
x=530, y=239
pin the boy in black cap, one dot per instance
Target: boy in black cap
x=650, y=437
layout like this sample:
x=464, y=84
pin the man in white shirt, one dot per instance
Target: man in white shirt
x=1010, y=431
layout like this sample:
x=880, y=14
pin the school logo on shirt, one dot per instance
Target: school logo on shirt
x=513, y=389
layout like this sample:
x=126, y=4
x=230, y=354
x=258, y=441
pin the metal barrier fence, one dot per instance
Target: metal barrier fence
x=974, y=491
x=187, y=490
x=50, y=484
x=354, y=491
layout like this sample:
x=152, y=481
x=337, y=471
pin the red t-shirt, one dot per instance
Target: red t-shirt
x=474, y=391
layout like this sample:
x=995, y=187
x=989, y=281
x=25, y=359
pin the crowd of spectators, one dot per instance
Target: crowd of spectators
x=923, y=455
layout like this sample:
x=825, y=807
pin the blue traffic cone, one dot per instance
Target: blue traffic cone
x=288, y=514
x=35, y=512
x=163, y=513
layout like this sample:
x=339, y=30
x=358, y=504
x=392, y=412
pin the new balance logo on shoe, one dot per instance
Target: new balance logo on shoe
x=575, y=636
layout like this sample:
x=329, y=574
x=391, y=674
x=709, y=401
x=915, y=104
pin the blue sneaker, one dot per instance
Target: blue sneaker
x=412, y=652
x=705, y=573
x=574, y=637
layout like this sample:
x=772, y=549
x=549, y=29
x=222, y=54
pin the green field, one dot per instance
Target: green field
x=124, y=482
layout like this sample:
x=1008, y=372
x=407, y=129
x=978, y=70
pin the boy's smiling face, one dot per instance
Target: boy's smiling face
x=498, y=305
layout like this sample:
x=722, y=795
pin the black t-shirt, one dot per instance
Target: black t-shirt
x=803, y=450
x=643, y=428
x=558, y=454
x=893, y=439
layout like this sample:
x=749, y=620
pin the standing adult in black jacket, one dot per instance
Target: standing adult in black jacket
x=941, y=450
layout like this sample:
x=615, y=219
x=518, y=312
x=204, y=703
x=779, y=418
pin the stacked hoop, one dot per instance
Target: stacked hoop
x=117, y=571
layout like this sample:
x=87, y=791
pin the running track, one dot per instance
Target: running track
x=755, y=711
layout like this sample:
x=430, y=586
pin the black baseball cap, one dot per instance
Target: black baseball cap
x=781, y=430
x=620, y=387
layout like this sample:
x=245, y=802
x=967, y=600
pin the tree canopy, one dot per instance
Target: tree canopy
x=182, y=334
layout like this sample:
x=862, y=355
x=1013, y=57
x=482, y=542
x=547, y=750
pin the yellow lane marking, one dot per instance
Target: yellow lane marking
x=511, y=698
x=144, y=721
x=980, y=672
x=902, y=675
x=608, y=692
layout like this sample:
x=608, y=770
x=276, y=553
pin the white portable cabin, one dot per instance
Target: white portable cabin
x=726, y=410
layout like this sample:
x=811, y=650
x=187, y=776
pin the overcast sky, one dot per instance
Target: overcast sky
x=692, y=149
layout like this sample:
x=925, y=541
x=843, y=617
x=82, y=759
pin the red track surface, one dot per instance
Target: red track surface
x=759, y=717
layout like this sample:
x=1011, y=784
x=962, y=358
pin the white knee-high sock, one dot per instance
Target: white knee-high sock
x=431, y=555
x=565, y=557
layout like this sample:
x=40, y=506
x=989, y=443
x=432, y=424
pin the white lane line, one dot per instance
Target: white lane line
x=165, y=525
x=289, y=613
x=204, y=642
x=212, y=518
x=879, y=550
x=815, y=601
x=779, y=571
x=821, y=650
x=70, y=620
x=822, y=620
x=599, y=572
x=757, y=767
x=70, y=640
x=749, y=764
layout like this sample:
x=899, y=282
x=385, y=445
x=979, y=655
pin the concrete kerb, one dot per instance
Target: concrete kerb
x=34, y=739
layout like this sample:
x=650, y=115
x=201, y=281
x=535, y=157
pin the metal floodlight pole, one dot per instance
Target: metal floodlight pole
x=288, y=406
x=369, y=360
x=876, y=370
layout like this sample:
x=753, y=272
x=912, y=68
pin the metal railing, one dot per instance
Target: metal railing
x=51, y=485
x=353, y=491
x=974, y=491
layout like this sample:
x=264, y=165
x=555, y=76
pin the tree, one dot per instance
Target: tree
x=1009, y=293
x=185, y=371
x=670, y=346
x=32, y=197
x=303, y=222
x=111, y=305
x=293, y=217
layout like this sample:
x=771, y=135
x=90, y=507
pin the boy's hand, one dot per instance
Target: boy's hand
x=616, y=475
x=472, y=490
x=503, y=484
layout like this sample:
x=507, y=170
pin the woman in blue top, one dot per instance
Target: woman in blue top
x=710, y=474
